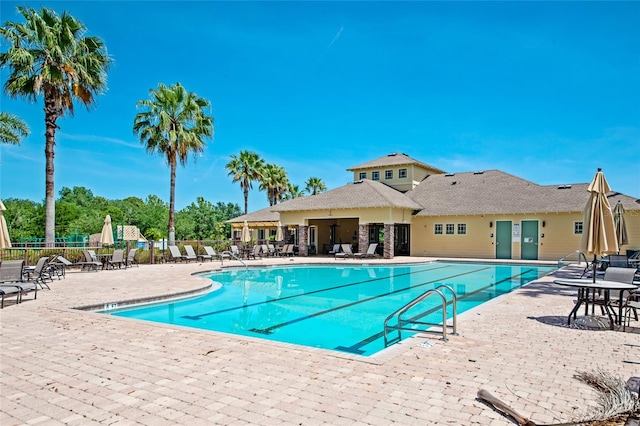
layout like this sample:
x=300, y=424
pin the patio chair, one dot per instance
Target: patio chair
x=265, y=249
x=288, y=250
x=346, y=251
x=371, y=251
x=272, y=250
x=256, y=252
x=621, y=275
x=617, y=261
x=117, y=259
x=12, y=276
x=191, y=254
x=175, y=254
x=131, y=258
x=631, y=306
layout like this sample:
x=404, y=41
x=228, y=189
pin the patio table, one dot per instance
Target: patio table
x=587, y=291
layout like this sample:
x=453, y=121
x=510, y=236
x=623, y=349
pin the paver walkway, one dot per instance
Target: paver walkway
x=61, y=366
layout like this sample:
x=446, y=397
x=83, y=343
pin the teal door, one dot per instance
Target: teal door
x=529, y=245
x=503, y=239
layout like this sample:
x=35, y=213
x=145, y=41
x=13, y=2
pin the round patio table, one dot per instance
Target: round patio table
x=587, y=291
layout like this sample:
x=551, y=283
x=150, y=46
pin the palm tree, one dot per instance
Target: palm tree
x=275, y=181
x=12, y=129
x=315, y=185
x=245, y=168
x=293, y=191
x=173, y=123
x=50, y=55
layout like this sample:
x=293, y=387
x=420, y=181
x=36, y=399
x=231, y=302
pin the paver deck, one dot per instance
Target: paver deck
x=62, y=366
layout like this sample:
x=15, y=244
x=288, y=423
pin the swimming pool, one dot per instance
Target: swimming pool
x=340, y=308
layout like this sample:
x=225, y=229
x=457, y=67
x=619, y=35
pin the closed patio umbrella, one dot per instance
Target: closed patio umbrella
x=599, y=232
x=106, y=236
x=279, y=234
x=621, y=225
x=5, y=241
x=246, y=235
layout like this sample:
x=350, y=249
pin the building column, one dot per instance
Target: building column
x=389, y=237
x=303, y=248
x=363, y=237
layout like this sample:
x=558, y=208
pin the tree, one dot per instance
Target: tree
x=293, y=191
x=173, y=123
x=274, y=180
x=315, y=185
x=245, y=168
x=50, y=55
x=12, y=129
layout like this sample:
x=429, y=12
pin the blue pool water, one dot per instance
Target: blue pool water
x=340, y=308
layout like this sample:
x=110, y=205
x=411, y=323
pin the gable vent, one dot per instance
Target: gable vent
x=479, y=172
x=450, y=174
x=564, y=187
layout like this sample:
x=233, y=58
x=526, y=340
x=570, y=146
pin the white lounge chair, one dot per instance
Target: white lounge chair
x=346, y=251
x=371, y=251
x=191, y=254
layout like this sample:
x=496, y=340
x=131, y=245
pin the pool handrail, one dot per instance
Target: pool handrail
x=401, y=322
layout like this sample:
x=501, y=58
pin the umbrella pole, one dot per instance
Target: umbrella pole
x=594, y=268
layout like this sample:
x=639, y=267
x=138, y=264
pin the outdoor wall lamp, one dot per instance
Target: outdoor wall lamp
x=543, y=223
x=490, y=224
x=491, y=235
x=541, y=235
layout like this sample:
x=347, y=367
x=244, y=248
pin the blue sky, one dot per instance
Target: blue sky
x=547, y=91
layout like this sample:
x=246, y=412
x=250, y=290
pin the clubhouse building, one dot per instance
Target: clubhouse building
x=413, y=209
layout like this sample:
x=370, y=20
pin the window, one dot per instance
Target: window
x=388, y=174
x=462, y=228
x=312, y=235
x=450, y=228
x=402, y=173
x=438, y=229
x=236, y=234
x=272, y=234
x=577, y=227
x=375, y=175
x=363, y=175
x=261, y=234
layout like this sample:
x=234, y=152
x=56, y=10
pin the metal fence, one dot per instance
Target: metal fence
x=144, y=255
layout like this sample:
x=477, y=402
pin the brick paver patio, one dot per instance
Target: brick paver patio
x=62, y=366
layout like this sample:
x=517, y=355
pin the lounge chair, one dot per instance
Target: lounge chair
x=91, y=260
x=176, y=255
x=211, y=252
x=265, y=249
x=371, y=251
x=202, y=257
x=131, y=258
x=272, y=249
x=12, y=276
x=9, y=290
x=117, y=259
x=346, y=251
x=40, y=273
x=191, y=254
x=336, y=249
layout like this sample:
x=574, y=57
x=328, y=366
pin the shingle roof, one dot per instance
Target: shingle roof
x=496, y=192
x=263, y=215
x=360, y=194
x=395, y=159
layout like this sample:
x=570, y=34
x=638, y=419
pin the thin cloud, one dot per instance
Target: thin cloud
x=336, y=37
x=97, y=138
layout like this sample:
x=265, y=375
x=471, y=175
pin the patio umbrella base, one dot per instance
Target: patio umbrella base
x=592, y=322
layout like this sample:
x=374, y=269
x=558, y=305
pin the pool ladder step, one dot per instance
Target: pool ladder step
x=405, y=324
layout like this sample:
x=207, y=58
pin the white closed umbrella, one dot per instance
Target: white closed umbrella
x=279, y=234
x=106, y=236
x=246, y=235
x=5, y=241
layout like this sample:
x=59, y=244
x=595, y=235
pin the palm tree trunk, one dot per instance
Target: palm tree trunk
x=172, y=203
x=246, y=196
x=50, y=117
